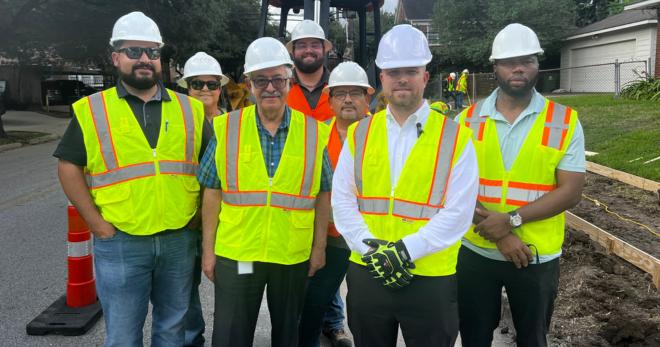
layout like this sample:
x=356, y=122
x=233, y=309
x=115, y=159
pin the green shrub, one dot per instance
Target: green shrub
x=646, y=89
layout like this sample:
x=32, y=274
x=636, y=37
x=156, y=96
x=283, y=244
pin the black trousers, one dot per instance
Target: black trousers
x=238, y=299
x=531, y=292
x=321, y=290
x=426, y=310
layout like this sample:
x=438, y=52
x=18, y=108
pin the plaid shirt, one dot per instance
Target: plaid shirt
x=272, y=147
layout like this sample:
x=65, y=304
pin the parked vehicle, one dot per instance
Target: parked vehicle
x=64, y=92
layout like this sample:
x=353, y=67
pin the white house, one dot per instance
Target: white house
x=628, y=37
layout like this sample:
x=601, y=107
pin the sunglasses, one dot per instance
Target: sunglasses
x=262, y=83
x=136, y=52
x=199, y=84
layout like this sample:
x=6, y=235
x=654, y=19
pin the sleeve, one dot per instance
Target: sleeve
x=207, y=134
x=72, y=145
x=574, y=159
x=326, y=173
x=347, y=218
x=450, y=224
x=207, y=175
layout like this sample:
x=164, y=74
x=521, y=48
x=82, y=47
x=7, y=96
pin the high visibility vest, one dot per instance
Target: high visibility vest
x=261, y=218
x=297, y=101
x=334, y=149
x=141, y=190
x=531, y=176
x=420, y=192
x=450, y=84
x=462, y=83
x=440, y=106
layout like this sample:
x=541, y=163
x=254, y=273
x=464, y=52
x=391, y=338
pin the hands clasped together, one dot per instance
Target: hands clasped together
x=389, y=262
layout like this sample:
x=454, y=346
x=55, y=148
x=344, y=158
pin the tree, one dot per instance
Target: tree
x=467, y=28
x=590, y=11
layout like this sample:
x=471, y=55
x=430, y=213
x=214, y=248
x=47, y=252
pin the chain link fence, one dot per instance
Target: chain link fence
x=596, y=78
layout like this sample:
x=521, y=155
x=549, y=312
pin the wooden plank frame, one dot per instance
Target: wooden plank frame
x=624, y=177
x=615, y=245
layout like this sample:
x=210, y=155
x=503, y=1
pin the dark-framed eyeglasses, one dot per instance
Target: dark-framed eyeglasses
x=153, y=53
x=262, y=83
x=341, y=94
x=199, y=84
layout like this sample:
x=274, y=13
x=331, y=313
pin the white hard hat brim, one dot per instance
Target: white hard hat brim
x=370, y=89
x=516, y=54
x=184, y=84
x=266, y=65
x=327, y=45
x=402, y=64
x=135, y=38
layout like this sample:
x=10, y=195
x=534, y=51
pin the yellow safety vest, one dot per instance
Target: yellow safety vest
x=261, y=218
x=462, y=83
x=420, y=192
x=140, y=190
x=531, y=176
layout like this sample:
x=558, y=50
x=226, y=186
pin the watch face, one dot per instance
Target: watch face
x=515, y=220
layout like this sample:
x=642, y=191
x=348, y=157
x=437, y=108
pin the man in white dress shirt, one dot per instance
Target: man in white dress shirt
x=403, y=195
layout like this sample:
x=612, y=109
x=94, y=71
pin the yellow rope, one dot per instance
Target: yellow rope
x=607, y=209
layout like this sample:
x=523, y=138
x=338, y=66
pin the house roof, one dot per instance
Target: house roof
x=641, y=4
x=418, y=9
x=621, y=19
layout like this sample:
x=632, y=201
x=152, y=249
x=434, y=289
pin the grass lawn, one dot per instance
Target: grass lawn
x=624, y=133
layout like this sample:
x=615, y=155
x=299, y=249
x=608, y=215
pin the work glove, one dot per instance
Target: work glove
x=389, y=262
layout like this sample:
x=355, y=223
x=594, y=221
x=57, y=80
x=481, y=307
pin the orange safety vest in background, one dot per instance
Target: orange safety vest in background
x=297, y=101
x=334, y=148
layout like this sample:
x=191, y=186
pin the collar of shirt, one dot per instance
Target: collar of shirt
x=161, y=94
x=284, y=125
x=419, y=116
x=535, y=106
x=322, y=82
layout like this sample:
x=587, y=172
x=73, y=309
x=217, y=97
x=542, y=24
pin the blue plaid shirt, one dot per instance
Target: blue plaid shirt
x=271, y=146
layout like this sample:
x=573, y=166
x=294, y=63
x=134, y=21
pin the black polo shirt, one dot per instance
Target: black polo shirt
x=314, y=95
x=148, y=114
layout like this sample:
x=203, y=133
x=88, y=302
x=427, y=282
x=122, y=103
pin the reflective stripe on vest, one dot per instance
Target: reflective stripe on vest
x=517, y=194
x=490, y=191
x=114, y=173
x=403, y=208
x=476, y=122
x=234, y=196
x=557, y=119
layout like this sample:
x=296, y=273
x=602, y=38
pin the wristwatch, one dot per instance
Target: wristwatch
x=514, y=219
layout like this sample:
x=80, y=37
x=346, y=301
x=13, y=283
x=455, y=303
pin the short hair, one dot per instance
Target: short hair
x=117, y=44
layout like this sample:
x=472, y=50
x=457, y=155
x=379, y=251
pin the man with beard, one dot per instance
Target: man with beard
x=308, y=46
x=266, y=204
x=403, y=196
x=127, y=162
x=350, y=93
x=531, y=169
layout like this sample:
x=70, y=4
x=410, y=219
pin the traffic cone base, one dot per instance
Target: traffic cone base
x=61, y=319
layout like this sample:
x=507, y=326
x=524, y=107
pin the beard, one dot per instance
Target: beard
x=139, y=82
x=308, y=67
x=520, y=91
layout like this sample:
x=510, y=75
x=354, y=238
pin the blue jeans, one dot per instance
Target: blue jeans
x=334, y=315
x=194, y=320
x=131, y=271
x=458, y=101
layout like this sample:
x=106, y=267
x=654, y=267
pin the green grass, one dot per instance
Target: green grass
x=620, y=131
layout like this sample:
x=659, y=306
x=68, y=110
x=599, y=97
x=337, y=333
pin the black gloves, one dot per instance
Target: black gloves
x=389, y=262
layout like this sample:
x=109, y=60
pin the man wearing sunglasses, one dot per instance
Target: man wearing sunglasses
x=308, y=46
x=266, y=204
x=128, y=163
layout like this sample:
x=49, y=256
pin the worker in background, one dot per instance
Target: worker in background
x=461, y=89
x=451, y=85
x=531, y=169
x=202, y=76
x=266, y=206
x=403, y=196
x=440, y=107
x=127, y=162
x=308, y=47
x=349, y=92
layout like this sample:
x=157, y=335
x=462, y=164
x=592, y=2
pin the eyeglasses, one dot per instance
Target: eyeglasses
x=136, y=52
x=304, y=45
x=199, y=84
x=262, y=83
x=341, y=95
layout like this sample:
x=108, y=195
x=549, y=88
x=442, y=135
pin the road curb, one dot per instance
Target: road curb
x=10, y=146
x=34, y=141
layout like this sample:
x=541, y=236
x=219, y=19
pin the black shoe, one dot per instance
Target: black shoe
x=338, y=338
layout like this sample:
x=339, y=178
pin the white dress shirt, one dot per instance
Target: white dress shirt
x=443, y=229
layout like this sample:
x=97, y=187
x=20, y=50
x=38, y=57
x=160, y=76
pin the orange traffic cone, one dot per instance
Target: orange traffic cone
x=75, y=313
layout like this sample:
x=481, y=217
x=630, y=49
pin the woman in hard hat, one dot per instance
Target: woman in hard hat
x=203, y=77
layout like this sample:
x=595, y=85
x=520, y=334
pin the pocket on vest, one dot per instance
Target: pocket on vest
x=302, y=233
x=115, y=205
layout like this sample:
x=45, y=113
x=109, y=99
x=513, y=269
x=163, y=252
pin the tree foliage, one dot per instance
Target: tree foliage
x=590, y=11
x=467, y=28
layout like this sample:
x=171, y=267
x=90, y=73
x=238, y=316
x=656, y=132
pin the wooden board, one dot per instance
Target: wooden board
x=615, y=245
x=624, y=177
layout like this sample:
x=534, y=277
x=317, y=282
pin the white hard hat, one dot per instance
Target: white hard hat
x=515, y=40
x=465, y=71
x=348, y=74
x=453, y=75
x=308, y=29
x=135, y=26
x=266, y=52
x=403, y=46
x=202, y=64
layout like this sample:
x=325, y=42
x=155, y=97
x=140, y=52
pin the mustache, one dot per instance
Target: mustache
x=268, y=94
x=144, y=66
